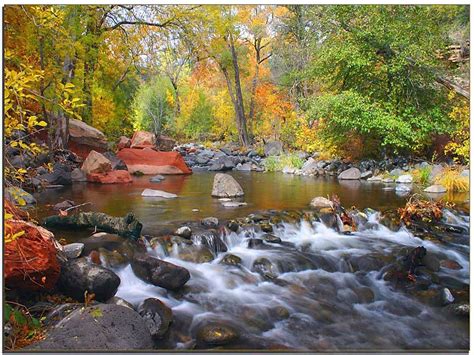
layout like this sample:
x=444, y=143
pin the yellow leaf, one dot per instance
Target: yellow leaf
x=42, y=124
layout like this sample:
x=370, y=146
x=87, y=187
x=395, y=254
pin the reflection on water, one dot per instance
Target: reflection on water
x=262, y=191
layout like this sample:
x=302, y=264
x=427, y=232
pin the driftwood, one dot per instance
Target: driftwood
x=128, y=226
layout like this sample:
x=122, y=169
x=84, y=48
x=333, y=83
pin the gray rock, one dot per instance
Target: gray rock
x=63, y=205
x=403, y=188
x=270, y=238
x=117, y=163
x=100, y=327
x=366, y=175
x=273, y=148
x=78, y=276
x=184, y=232
x=435, y=189
x=77, y=175
x=157, y=316
x=157, y=178
x=211, y=222
x=350, y=174
x=234, y=204
x=159, y=272
x=321, y=202
x=388, y=181
x=15, y=194
x=231, y=259
x=226, y=186
x=447, y=297
x=375, y=179
x=396, y=172
x=310, y=167
x=431, y=262
x=73, y=250
x=244, y=167
x=60, y=176
x=120, y=302
x=404, y=179
x=157, y=193
x=210, y=240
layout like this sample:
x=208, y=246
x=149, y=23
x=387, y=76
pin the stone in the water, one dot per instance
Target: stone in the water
x=266, y=227
x=350, y=174
x=450, y=264
x=321, y=202
x=234, y=204
x=99, y=327
x=63, y=205
x=211, y=240
x=403, y=188
x=233, y=226
x=78, y=276
x=157, y=316
x=375, y=179
x=159, y=272
x=254, y=242
x=226, y=186
x=458, y=309
x=120, y=302
x=96, y=163
x=404, y=179
x=447, y=297
x=157, y=178
x=77, y=175
x=184, y=232
x=387, y=180
x=157, y=193
x=270, y=238
x=366, y=175
x=73, y=250
x=225, y=199
x=435, y=189
x=195, y=210
x=431, y=262
x=231, y=259
x=196, y=254
x=217, y=333
x=264, y=267
x=211, y=222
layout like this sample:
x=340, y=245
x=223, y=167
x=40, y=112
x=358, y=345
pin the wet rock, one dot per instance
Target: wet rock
x=266, y=227
x=16, y=195
x=226, y=186
x=157, y=316
x=151, y=162
x=78, y=276
x=217, y=333
x=329, y=219
x=111, y=177
x=431, y=262
x=94, y=257
x=264, y=267
x=184, y=232
x=196, y=254
x=375, y=179
x=435, y=189
x=157, y=178
x=458, y=309
x=210, y=240
x=96, y=163
x=113, y=258
x=447, y=297
x=350, y=174
x=366, y=175
x=234, y=204
x=210, y=222
x=364, y=294
x=100, y=327
x=450, y=264
x=120, y=302
x=233, y=226
x=404, y=179
x=388, y=180
x=254, y=243
x=231, y=259
x=73, y=250
x=117, y=163
x=158, y=193
x=63, y=205
x=159, y=272
x=270, y=238
x=273, y=148
x=77, y=175
x=321, y=202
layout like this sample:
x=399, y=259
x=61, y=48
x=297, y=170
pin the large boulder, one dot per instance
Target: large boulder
x=124, y=142
x=30, y=261
x=321, y=202
x=96, y=163
x=111, y=177
x=19, y=196
x=165, y=144
x=84, y=138
x=117, y=163
x=143, y=139
x=226, y=186
x=159, y=272
x=350, y=174
x=157, y=316
x=78, y=276
x=273, y=148
x=100, y=327
x=151, y=162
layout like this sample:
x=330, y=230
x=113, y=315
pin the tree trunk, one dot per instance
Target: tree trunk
x=252, y=97
x=177, y=108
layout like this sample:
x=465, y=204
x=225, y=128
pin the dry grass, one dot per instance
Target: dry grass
x=452, y=180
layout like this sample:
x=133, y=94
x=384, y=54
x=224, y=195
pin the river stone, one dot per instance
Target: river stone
x=159, y=272
x=96, y=163
x=447, y=297
x=321, y=202
x=375, y=179
x=404, y=179
x=273, y=148
x=15, y=194
x=264, y=267
x=233, y=226
x=210, y=222
x=458, y=309
x=217, y=333
x=234, y=204
x=366, y=175
x=157, y=178
x=226, y=186
x=244, y=167
x=77, y=175
x=431, y=262
x=450, y=264
x=266, y=227
x=254, y=243
x=78, y=276
x=197, y=254
x=435, y=189
x=63, y=205
x=388, y=180
x=157, y=193
x=231, y=259
x=120, y=302
x=436, y=170
x=100, y=327
x=184, y=232
x=210, y=240
x=350, y=174
x=403, y=188
x=157, y=316
x=270, y=238
x=73, y=250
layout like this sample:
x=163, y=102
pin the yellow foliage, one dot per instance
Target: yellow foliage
x=451, y=179
x=102, y=110
x=459, y=146
x=223, y=112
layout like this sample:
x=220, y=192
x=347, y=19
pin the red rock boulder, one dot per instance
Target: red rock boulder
x=123, y=142
x=30, y=261
x=151, y=162
x=84, y=138
x=143, y=139
x=96, y=163
x=111, y=177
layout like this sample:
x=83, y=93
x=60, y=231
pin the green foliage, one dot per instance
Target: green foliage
x=278, y=163
x=151, y=108
x=200, y=119
x=422, y=176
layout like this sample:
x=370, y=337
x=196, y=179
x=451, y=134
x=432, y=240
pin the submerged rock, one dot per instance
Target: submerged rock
x=226, y=186
x=159, y=272
x=78, y=276
x=231, y=259
x=157, y=316
x=157, y=178
x=100, y=327
x=217, y=333
x=157, y=193
x=350, y=174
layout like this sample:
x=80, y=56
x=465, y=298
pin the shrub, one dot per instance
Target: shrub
x=278, y=163
x=451, y=179
x=422, y=175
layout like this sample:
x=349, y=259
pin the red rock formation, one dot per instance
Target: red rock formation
x=149, y=161
x=84, y=138
x=111, y=177
x=123, y=142
x=30, y=261
x=143, y=139
x=96, y=163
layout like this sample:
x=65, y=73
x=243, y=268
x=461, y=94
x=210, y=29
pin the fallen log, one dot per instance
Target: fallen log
x=128, y=226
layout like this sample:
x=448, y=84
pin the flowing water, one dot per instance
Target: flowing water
x=317, y=299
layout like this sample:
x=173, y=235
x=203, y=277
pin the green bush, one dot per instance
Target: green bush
x=278, y=163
